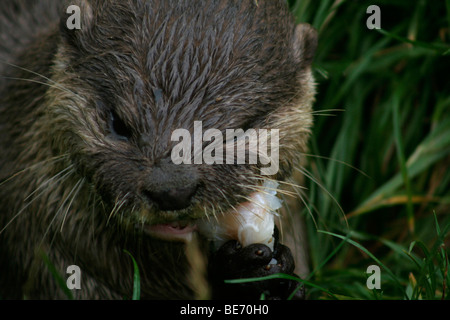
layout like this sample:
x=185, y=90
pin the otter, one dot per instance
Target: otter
x=86, y=117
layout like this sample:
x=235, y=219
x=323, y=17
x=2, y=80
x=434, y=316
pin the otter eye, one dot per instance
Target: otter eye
x=119, y=128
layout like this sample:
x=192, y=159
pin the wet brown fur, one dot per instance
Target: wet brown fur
x=72, y=190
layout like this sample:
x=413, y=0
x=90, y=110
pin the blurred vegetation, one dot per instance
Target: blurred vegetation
x=379, y=185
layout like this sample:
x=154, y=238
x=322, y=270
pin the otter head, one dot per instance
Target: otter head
x=137, y=71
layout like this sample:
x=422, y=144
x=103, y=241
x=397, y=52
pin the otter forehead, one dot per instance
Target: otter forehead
x=173, y=62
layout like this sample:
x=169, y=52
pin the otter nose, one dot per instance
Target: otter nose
x=172, y=199
x=169, y=186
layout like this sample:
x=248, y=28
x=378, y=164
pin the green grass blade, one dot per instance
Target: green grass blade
x=359, y=246
x=330, y=256
x=282, y=276
x=440, y=48
x=136, y=279
x=433, y=148
x=402, y=161
x=57, y=276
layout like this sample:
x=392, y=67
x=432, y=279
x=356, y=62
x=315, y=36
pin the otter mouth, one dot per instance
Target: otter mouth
x=174, y=231
x=250, y=222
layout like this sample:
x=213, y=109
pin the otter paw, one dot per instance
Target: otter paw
x=232, y=261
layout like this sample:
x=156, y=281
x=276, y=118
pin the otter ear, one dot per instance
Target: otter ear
x=77, y=18
x=305, y=43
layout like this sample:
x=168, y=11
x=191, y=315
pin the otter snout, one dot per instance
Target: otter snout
x=171, y=187
x=172, y=199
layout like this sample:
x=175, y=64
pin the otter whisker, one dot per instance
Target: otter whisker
x=291, y=184
x=61, y=209
x=80, y=184
x=50, y=161
x=29, y=203
x=67, y=171
x=205, y=212
x=117, y=206
x=122, y=203
x=226, y=199
x=216, y=208
x=66, y=198
x=59, y=179
x=90, y=205
x=26, y=70
x=55, y=84
x=337, y=161
x=43, y=83
x=301, y=196
x=266, y=189
x=210, y=212
x=220, y=212
x=280, y=190
x=263, y=178
x=113, y=211
x=307, y=174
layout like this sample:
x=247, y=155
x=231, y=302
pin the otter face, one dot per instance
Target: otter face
x=143, y=70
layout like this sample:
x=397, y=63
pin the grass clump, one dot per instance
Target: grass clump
x=383, y=155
